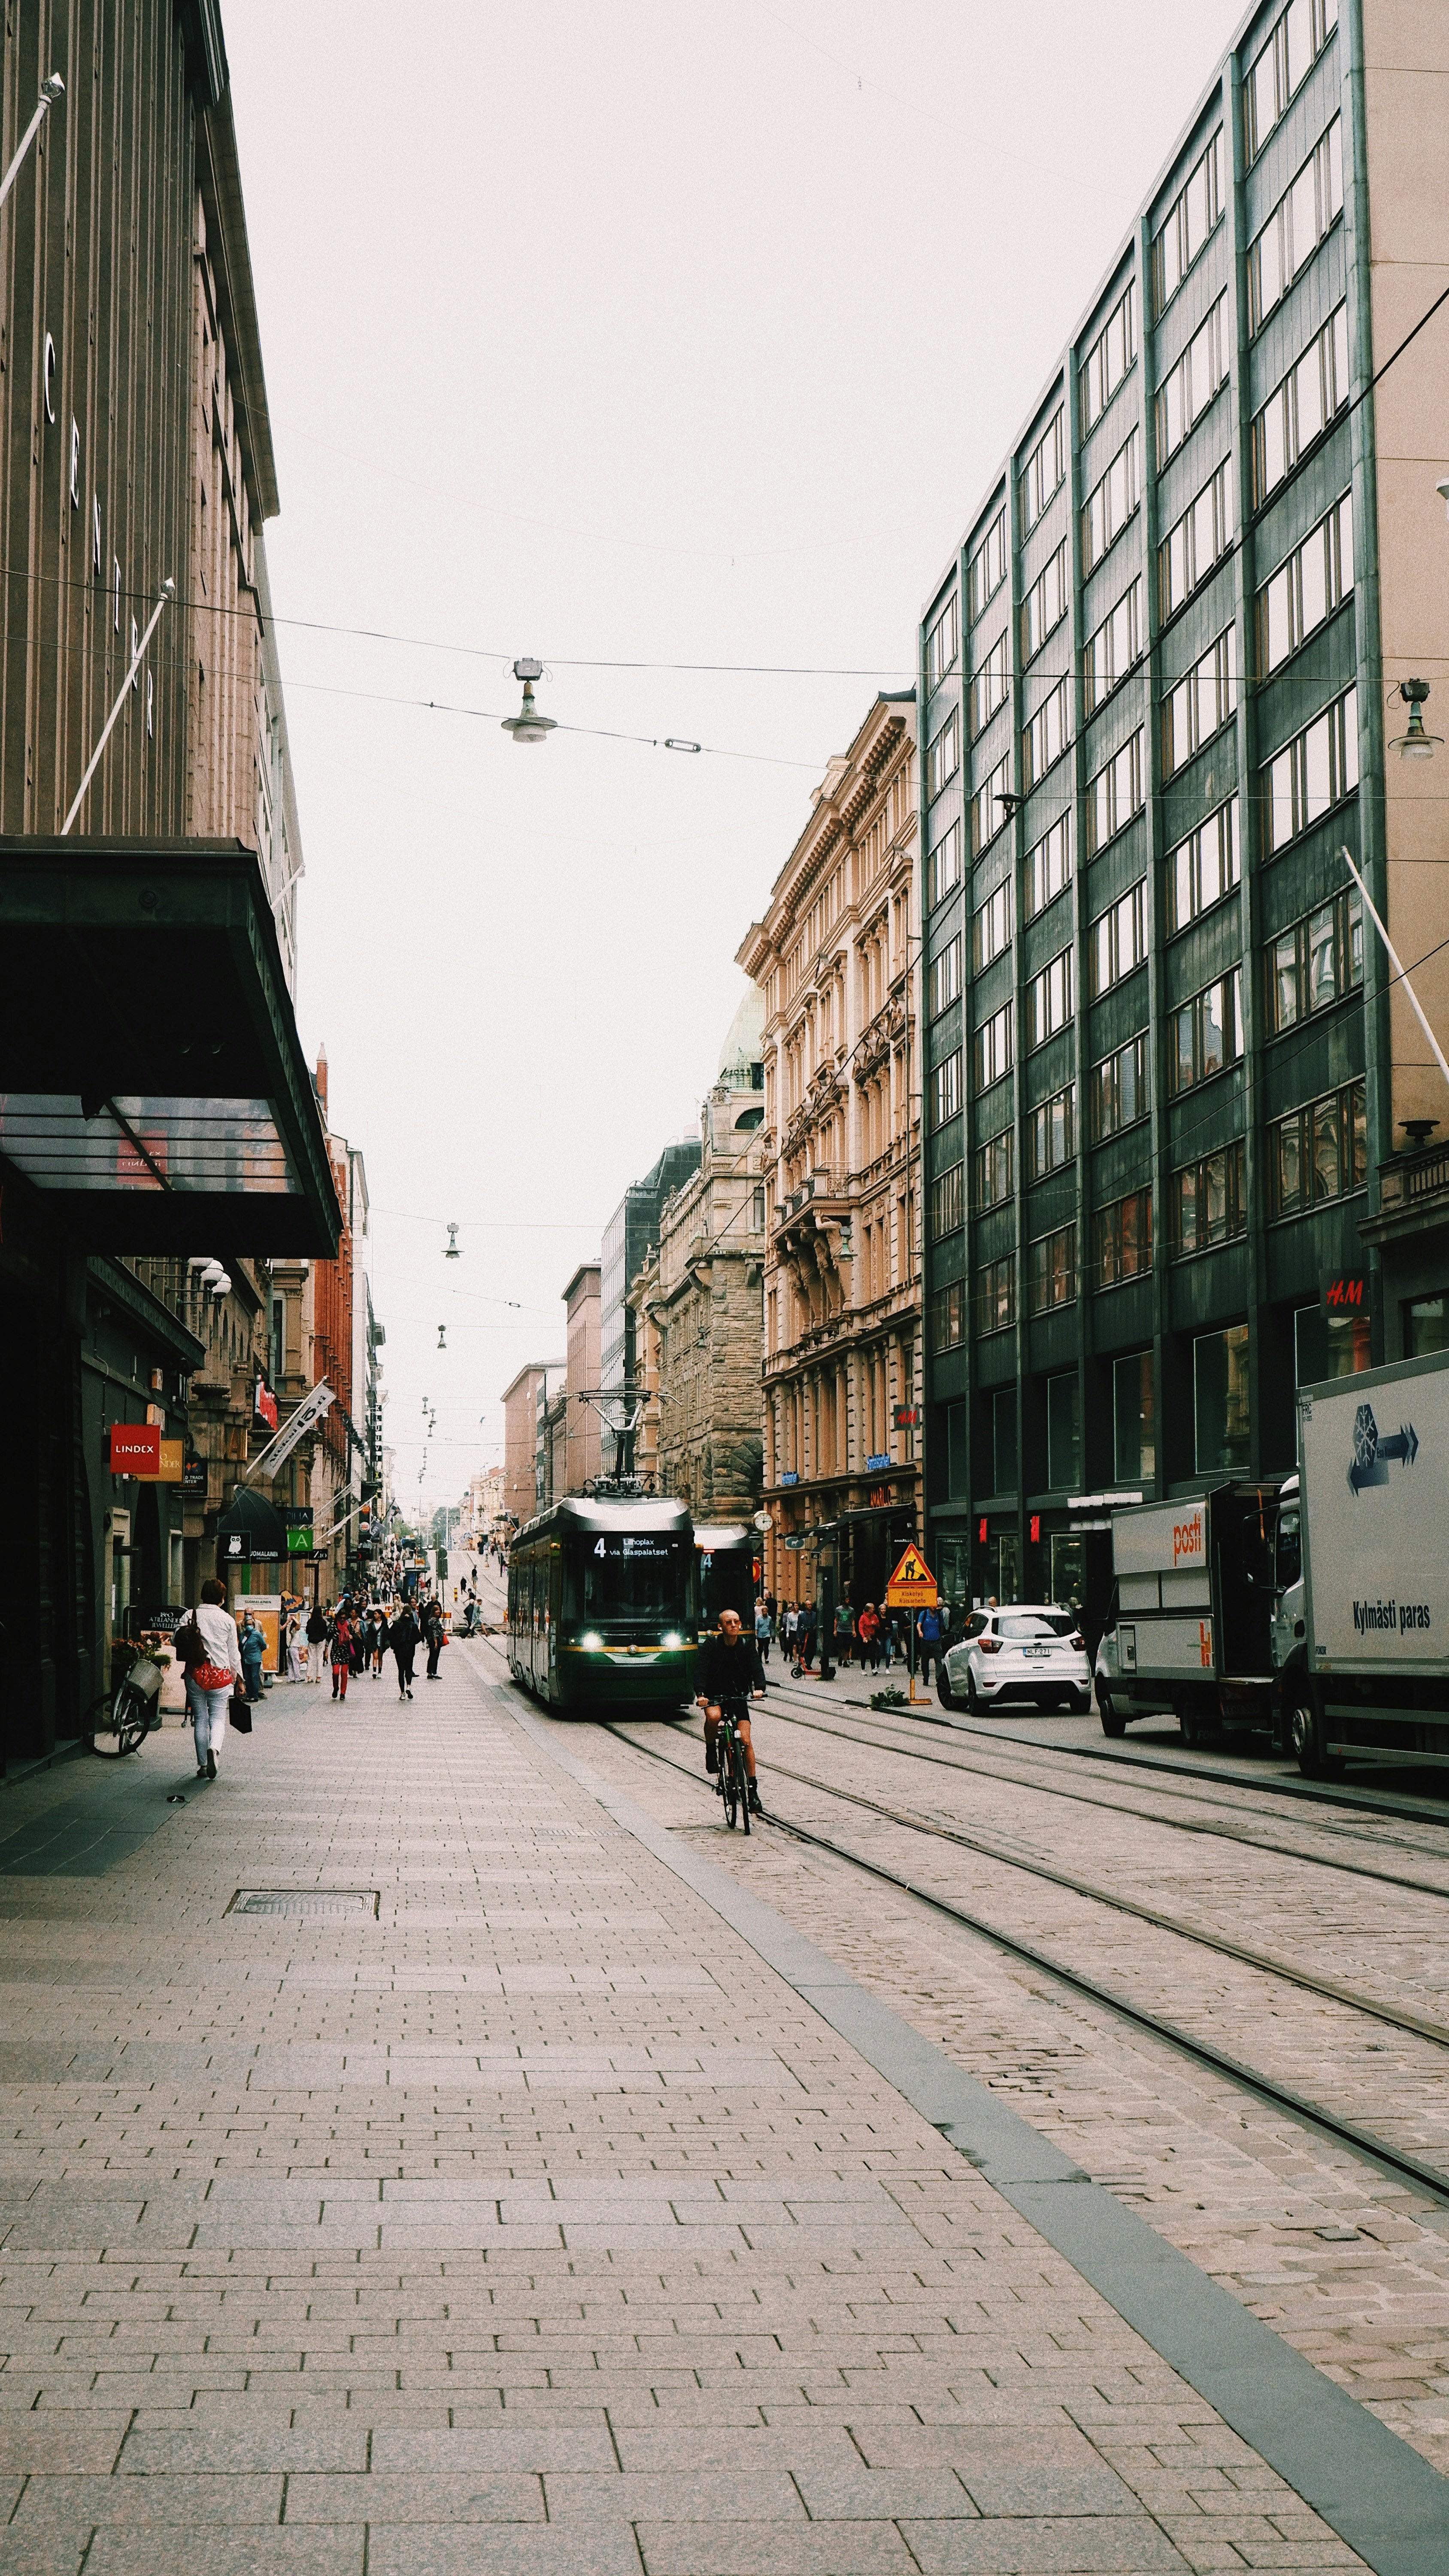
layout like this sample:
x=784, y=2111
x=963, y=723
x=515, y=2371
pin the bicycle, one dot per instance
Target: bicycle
x=131, y=1712
x=733, y=1783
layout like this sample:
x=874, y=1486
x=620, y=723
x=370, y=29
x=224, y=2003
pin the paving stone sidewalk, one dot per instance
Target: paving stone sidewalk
x=532, y=2224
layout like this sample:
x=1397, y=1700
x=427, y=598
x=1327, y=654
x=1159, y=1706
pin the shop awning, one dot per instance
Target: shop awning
x=262, y=1522
x=151, y=1075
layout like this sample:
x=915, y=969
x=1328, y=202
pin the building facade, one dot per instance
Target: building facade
x=835, y=961
x=520, y=1438
x=1166, y=1077
x=697, y=1301
x=631, y=1231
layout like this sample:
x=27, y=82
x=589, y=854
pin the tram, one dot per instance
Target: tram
x=603, y=1603
x=726, y=1553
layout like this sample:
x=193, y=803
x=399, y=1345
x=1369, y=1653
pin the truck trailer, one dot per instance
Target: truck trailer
x=1361, y=1626
x=1191, y=1621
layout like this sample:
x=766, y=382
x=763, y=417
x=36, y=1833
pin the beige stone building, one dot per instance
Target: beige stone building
x=582, y=1436
x=835, y=959
x=698, y=1301
x=520, y=1437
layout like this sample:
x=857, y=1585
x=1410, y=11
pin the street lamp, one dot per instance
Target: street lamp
x=51, y=90
x=1414, y=743
x=528, y=725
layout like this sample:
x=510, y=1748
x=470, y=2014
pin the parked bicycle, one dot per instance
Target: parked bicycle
x=122, y=1718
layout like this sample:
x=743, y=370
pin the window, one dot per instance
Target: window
x=993, y=1048
x=1207, y=1033
x=1044, y=472
x=946, y=1212
x=1199, y=705
x=988, y=805
x=1108, y=359
x=1295, y=44
x=1114, y=795
x=1204, y=867
x=1208, y=1201
x=1317, y=962
x=1190, y=219
x=1049, y=1000
x=1307, y=588
x=990, y=685
x=1195, y=381
x=948, y=1317
x=1003, y=1440
x=1117, y=939
x=986, y=569
x=1220, y=1402
x=1122, y=1239
x=1426, y=1327
x=1199, y=540
x=1320, y=1153
x=996, y=1294
x=1311, y=774
x=1296, y=226
x=1134, y=1419
x=943, y=758
x=1311, y=395
x=1114, y=648
x=1118, y=1094
x=946, y=1090
x=1052, y=1271
x=995, y=1162
x=1107, y=509
x=944, y=867
x=1051, y=1133
x=943, y=983
x=1064, y=1431
x=1045, y=604
x=1048, y=867
x=1046, y=735
x=991, y=927
x=943, y=642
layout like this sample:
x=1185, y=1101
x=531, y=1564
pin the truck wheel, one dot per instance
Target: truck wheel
x=1305, y=1729
x=1191, y=1729
x=1113, y=1722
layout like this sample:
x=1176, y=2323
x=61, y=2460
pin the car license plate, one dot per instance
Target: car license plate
x=1036, y=1653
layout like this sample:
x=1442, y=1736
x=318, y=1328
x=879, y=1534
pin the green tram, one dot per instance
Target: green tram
x=603, y=1603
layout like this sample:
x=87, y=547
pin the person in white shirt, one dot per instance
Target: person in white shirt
x=210, y=1678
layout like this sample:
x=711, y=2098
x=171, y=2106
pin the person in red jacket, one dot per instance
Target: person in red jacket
x=867, y=1629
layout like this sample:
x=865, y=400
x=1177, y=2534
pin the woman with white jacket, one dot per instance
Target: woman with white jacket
x=210, y=1680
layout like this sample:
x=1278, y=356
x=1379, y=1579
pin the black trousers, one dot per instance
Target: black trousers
x=405, y=1672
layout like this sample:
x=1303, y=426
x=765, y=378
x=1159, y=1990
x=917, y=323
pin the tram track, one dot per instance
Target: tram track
x=1364, y=2142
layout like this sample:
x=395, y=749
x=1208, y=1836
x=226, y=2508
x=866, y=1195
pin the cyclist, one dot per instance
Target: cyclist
x=730, y=1669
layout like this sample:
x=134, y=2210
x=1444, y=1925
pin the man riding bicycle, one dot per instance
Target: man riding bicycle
x=730, y=1669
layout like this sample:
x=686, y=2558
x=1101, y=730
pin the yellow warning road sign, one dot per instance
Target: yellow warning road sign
x=913, y=1585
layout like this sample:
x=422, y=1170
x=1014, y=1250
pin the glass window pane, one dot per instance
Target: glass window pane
x=1326, y=1179
x=1063, y=1440
x=1214, y=1043
x=1220, y=1392
x=1182, y=1049
x=1427, y=1322
x=1289, y=1173
x=1322, y=961
x=1284, y=960
x=1133, y=1419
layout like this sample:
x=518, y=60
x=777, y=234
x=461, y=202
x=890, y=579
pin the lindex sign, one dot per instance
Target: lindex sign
x=913, y=1585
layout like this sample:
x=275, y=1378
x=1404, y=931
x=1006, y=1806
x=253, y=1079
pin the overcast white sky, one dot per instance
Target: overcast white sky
x=634, y=333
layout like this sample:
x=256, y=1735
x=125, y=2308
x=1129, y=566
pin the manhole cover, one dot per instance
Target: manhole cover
x=307, y=1904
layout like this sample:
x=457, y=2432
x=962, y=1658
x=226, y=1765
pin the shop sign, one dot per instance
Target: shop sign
x=172, y=1466
x=235, y=1547
x=881, y=1497
x=193, y=1474
x=135, y=1448
x=907, y=1417
x=791, y=1476
x=1346, y=1293
x=881, y=1459
x=300, y=1541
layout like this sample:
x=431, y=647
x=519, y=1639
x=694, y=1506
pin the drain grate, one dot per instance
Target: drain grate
x=307, y=1904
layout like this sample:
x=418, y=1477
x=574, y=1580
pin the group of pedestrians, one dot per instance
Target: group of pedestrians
x=867, y=1636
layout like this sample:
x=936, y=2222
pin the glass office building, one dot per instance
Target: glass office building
x=1167, y=1081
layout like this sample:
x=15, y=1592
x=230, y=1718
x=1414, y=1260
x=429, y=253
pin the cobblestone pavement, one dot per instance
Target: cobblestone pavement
x=1349, y=2266
x=531, y=2224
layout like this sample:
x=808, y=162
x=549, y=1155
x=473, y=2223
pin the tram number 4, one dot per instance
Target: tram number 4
x=599, y=1550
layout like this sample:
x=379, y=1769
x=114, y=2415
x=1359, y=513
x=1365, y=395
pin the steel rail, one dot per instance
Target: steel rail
x=1363, y=2141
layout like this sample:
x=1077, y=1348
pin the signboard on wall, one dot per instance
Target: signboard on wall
x=135, y=1448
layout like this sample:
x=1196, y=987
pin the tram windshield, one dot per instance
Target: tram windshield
x=632, y=1574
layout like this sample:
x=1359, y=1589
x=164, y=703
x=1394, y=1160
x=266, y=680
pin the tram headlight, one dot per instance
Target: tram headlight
x=673, y=1638
x=592, y=1644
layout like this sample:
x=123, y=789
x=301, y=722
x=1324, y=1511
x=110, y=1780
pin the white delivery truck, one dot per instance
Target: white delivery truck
x=1361, y=1627
x=1192, y=1611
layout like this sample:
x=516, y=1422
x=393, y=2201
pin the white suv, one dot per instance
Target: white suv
x=1027, y=1650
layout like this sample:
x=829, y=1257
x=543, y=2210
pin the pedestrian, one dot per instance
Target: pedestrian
x=867, y=1631
x=928, y=1639
x=436, y=1635
x=791, y=1631
x=379, y=1639
x=764, y=1630
x=844, y=1630
x=402, y=1637
x=253, y=1654
x=293, y=1633
x=343, y=1648
x=316, y=1641
x=805, y=1636
x=210, y=1651
x=892, y=1638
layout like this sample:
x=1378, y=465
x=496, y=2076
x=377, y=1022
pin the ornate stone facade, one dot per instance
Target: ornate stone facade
x=835, y=962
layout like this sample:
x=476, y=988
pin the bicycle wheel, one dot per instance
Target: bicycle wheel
x=742, y=1782
x=123, y=1724
x=729, y=1783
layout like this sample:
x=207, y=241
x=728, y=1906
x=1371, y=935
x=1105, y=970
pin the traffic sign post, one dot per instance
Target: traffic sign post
x=912, y=1587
